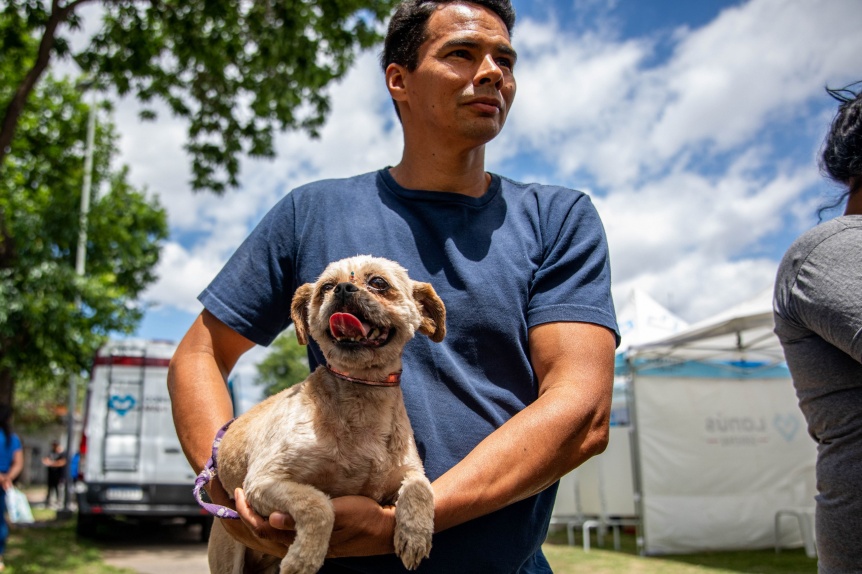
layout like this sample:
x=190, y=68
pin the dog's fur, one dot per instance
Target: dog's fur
x=328, y=437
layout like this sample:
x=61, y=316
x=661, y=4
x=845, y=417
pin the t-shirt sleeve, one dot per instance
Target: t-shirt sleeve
x=824, y=296
x=573, y=282
x=252, y=292
x=16, y=444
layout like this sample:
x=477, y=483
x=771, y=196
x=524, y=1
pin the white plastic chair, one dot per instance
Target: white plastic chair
x=805, y=518
x=806, y=490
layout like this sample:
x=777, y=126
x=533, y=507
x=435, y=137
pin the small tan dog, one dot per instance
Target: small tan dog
x=342, y=431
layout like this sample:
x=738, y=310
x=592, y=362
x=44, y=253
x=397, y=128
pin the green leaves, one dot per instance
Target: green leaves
x=237, y=71
x=52, y=321
x=285, y=366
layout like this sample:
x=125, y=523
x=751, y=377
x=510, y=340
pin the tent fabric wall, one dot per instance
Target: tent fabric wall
x=717, y=458
x=603, y=485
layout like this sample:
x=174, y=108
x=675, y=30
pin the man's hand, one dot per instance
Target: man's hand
x=362, y=527
x=252, y=530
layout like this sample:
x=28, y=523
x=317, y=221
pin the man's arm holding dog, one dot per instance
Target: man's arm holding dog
x=197, y=379
x=566, y=425
x=201, y=404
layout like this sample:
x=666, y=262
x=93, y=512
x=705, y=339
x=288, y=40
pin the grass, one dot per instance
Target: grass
x=49, y=545
x=566, y=559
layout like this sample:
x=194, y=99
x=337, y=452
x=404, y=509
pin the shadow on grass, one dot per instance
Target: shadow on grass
x=788, y=561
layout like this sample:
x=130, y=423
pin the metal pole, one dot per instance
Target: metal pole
x=81, y=255
x=80, y=266
x=637, y=476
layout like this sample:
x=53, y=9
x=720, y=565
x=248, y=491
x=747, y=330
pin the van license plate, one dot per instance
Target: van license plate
x=124, y=494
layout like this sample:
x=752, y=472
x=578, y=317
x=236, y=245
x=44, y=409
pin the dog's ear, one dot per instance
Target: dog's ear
x=299, y=311
x=433, y=311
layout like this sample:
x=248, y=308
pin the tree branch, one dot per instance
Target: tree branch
x=59, y=14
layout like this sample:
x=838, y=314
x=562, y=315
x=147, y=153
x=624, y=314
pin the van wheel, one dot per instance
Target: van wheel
x=87, y=525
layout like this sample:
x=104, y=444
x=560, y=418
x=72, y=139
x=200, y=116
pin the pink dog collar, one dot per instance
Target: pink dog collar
x=393, y=380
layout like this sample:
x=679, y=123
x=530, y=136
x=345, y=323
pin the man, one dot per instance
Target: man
x=519, y=392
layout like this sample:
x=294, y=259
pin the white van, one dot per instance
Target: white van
x=131, y=463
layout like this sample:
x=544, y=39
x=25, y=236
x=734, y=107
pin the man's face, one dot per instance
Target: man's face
x=464, y=84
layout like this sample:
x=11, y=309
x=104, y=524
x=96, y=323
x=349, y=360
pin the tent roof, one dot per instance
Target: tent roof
x=741, y=333
x=642, y=319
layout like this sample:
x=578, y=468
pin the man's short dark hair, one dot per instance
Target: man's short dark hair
x=408, y=28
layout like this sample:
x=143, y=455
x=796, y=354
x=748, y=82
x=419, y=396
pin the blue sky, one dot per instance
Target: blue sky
x=694, y=126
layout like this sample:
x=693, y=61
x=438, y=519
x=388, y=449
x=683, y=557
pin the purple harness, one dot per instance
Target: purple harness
x=209, y=472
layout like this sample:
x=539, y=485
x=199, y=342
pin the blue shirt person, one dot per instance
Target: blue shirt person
x=519, y=392
x=11, y=465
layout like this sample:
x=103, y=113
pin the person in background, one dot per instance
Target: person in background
x=56, y=465
x=11, y=465
x=818, y=319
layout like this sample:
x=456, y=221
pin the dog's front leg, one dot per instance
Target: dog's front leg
x=311, y=510
x=414, y=519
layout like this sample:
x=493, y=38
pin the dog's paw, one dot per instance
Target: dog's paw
x=414, y=521
x=412, y=547
x=294, y=565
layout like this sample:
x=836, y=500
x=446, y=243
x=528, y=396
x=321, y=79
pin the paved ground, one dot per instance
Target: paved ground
x=157, y=549
x=159, y=559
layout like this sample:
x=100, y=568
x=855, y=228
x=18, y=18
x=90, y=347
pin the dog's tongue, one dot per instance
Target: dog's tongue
x=346, y=325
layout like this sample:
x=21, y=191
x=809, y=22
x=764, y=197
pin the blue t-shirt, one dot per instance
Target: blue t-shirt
x=8, y=450
x=519, y=256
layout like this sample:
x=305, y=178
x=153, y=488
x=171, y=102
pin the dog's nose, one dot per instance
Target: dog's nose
x=343, y=291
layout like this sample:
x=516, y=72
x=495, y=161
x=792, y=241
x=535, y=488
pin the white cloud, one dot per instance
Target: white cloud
x=697, y=287
x=607, y=111
x=182, y=276
x=751, y=65
x=359, y=137
x=592, y=103
x=598, y=110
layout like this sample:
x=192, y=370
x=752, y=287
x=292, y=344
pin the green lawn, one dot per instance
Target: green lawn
x=566, y=559
x=51, y=546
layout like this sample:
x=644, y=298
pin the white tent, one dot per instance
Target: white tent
x=719, y=442
x=744, y=330
x=642, y=319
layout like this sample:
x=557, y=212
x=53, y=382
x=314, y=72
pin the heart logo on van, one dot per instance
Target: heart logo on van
x=121, y=404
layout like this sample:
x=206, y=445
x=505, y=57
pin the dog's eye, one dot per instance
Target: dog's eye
x=378, y=284
x=327, y=287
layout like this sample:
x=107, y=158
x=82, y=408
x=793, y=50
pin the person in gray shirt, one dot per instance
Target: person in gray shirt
x=818, y=319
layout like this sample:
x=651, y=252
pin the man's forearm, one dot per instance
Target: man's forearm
x=566, y=425
x=197, y=384
x=508, y=467
x=200, y=403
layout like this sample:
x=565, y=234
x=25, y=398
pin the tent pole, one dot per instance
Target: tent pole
x=640, y=530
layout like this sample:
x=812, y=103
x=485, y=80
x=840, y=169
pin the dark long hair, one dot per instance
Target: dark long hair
x=6, y=422
x=841, y=156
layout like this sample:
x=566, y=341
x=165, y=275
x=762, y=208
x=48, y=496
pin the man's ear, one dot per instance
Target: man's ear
x=432, y=309
x=396, y=82
x=299, y=311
